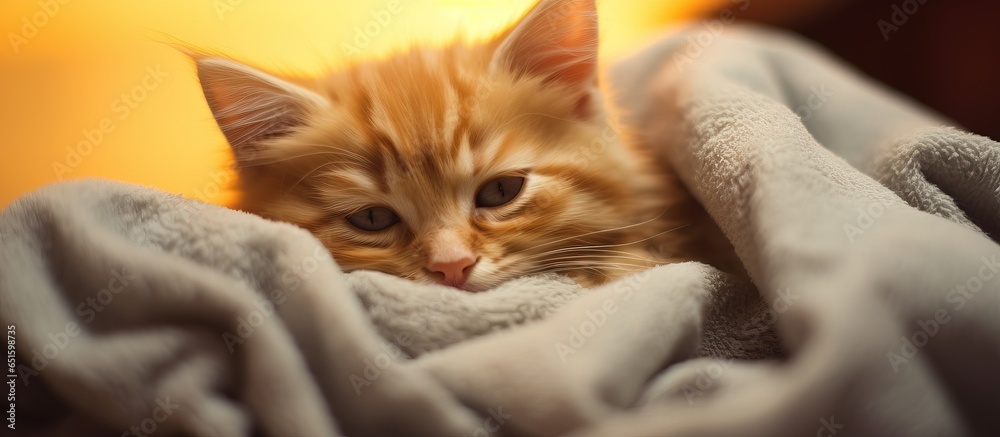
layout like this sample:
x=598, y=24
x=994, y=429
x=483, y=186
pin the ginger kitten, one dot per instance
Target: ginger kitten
x=466, y=165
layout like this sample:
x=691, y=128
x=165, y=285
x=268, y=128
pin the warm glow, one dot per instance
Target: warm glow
x=80, y=66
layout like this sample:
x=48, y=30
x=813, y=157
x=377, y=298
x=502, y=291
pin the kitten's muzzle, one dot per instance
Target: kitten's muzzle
x=453, y=272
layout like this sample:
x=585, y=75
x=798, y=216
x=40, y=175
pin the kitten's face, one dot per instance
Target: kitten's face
x=467, y=166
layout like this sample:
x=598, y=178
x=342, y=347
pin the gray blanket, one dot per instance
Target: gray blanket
x=865, y=224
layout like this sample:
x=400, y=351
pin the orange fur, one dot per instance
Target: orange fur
x=419, y=133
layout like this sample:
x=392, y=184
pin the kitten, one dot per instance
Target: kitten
x=466, y=165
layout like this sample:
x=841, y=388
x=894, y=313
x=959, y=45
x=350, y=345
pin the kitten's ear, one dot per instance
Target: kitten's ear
x=556, y=40
x=251, y=106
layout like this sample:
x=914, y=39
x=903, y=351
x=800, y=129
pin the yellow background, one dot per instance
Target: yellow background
x=66, y=77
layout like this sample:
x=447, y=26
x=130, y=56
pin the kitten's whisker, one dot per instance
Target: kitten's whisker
x=597, y=265
x=559, y=250
x=561, y=269
x=602, y=231
x=596, y=256
x=601, y=271
x=581, y=249
x=593, y=260
x=622, y=244
x=624, y=265
x=595, y=270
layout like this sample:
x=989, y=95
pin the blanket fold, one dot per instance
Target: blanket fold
x=860, y=281
x=867, y=224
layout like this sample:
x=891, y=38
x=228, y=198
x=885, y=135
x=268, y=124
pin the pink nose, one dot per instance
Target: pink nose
x=455, y=271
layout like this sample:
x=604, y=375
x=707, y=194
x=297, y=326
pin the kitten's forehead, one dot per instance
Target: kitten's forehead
x=427, y=128
x=429, y=103
x=417, y=99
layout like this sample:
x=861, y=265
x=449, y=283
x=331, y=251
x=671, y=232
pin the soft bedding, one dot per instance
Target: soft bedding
x=867, y=224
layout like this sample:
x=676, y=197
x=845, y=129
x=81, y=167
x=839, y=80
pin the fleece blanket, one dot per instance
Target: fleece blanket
x=867, y=225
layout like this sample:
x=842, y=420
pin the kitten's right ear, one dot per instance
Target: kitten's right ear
x=556, y=41
x=251, y=106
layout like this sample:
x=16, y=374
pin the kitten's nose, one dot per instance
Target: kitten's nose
x=455, y=270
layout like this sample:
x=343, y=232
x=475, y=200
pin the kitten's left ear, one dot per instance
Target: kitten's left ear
x=556, y=40
x=252, y=106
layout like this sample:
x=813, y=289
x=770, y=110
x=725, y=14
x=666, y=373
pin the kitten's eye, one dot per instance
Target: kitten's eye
x=373, y=219
x=499, y=191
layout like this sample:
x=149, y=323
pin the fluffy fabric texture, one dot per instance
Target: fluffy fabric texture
x=877, y=303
